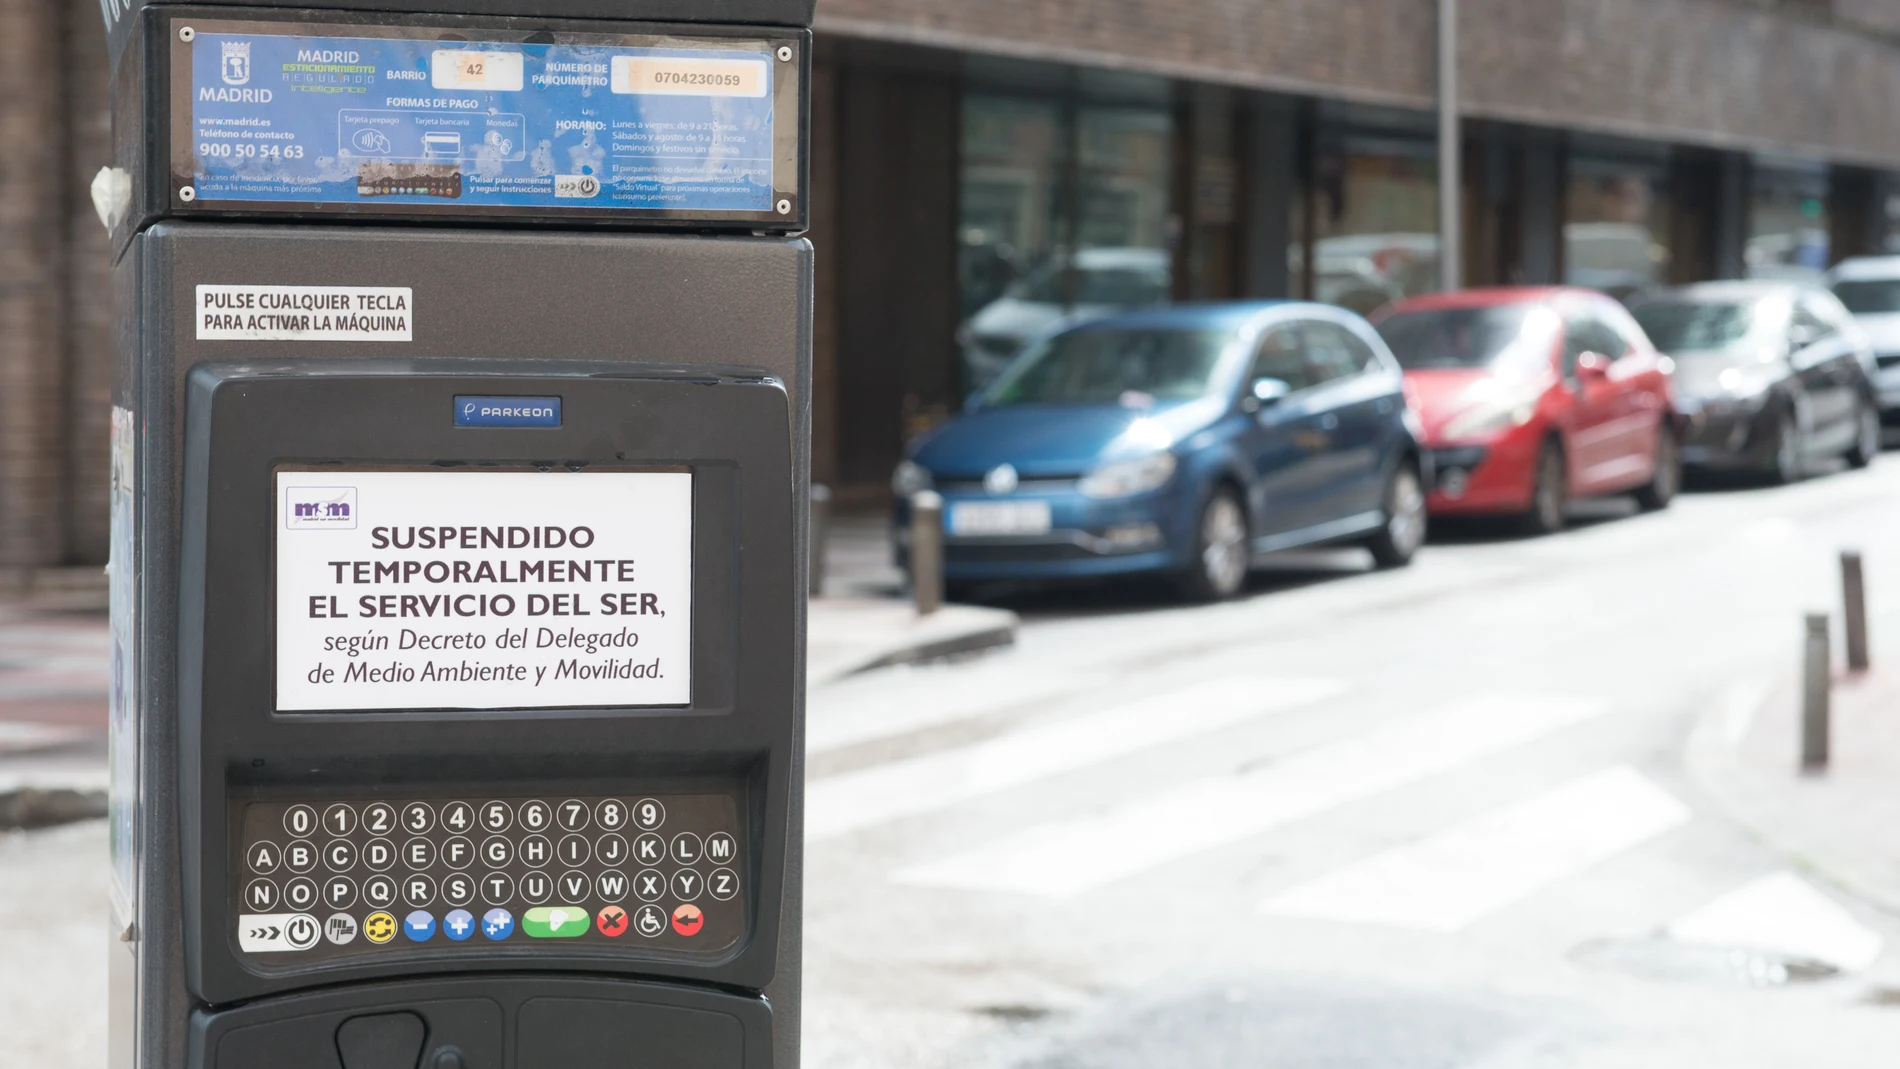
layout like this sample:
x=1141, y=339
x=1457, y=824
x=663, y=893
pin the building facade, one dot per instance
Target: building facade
x=983, y=167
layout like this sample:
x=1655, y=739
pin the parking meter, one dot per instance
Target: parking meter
x=459, y=466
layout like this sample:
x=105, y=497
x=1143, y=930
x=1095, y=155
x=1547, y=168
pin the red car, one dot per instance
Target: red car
x=1533, y=397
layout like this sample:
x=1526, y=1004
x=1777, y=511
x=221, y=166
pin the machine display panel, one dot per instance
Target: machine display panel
x=482, y=589
x=290, y=117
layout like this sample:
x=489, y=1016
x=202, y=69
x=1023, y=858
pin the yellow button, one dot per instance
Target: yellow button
x=379, y=927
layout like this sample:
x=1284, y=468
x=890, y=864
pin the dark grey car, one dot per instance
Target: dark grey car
x=1770, y=376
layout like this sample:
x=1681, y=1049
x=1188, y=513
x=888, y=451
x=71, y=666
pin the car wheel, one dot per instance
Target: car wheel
x=1662, y=486
x=1221, y=551
x=1786, y=465
x=1403, y=531
x=1550, y=492
x=1866, y=437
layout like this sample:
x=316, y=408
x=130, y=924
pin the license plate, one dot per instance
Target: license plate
x=1000, y=518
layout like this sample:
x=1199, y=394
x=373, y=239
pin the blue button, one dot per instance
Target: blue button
x=419, y=926
x=475, y=410
x=498, y=923
x=458, y=925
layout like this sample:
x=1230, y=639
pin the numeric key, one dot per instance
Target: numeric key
x=339, y=819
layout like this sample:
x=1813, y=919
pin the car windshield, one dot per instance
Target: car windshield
x=1685, y=326
x=1869, y=296
x=1109, y=366
x=1453, y=337
x=1117, y=286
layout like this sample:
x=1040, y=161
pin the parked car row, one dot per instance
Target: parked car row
x=1192, y=440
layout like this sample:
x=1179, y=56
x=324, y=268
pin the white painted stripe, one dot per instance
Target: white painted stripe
x=1781, y=913
x=940, y=780
x=848, y=714
x=1448, y=880
x=1064, y=858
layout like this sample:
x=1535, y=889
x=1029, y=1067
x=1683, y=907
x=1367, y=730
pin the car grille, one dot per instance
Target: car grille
x=1014, y=552
x=1024, y=486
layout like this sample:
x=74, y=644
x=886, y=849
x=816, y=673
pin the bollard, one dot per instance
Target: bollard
x=820, y=528
x=1854, y=607
x=1815, y=671
x=926, y=551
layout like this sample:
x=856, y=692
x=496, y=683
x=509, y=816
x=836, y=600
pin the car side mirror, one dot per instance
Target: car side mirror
x=1593, y=365
x=1270, y=391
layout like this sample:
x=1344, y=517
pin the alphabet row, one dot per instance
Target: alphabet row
x=416, y=818
x=495, y=889
x=496, y=851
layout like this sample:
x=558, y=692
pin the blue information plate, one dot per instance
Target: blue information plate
x=478, y=410
x=448, y=122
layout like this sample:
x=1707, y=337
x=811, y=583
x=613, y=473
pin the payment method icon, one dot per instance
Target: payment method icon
x=379, y=927
x=555, y=922
x=687, y=920
x=612, y=921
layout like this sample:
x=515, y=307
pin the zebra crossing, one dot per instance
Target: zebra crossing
x=1445, y=880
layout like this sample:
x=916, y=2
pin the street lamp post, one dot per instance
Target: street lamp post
x=1450, y=224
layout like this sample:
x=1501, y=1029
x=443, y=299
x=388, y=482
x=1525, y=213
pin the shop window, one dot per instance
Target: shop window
x=1374, y=222
x=1040, y=239
x=1616, y=226
x=1787, y=223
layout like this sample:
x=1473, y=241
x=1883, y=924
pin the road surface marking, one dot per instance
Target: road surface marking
x=1065, y=858
x=846, y=715
x=940, y=780
x=1448, y=880
x=1782, y=913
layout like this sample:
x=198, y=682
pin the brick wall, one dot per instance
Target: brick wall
x=55, y=317
x=1718, y=72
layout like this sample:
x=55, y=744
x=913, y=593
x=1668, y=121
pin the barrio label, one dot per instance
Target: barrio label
x=483, y=590
x=305, y=313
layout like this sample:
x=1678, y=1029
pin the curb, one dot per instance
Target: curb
x=33, y=807
x=1001, y=635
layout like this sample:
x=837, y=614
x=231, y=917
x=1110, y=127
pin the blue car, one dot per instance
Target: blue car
x=1184, y=441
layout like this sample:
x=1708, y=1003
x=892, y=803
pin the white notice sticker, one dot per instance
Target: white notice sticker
x=305, y=313
x=483, y=589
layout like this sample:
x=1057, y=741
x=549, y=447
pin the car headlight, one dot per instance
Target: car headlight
x=1489, y=417
x=1743, y=386
x=1126, y=478
x=910, y=478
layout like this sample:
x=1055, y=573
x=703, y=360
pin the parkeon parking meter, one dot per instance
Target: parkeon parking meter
x=459, y=468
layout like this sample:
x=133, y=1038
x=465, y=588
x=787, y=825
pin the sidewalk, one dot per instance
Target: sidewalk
x=864, y=619
x=1844, y=822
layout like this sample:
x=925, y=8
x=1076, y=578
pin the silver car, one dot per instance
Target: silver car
x=1870, y=288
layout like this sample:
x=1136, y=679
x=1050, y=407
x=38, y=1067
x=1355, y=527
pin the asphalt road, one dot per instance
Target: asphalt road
x=1430, y=818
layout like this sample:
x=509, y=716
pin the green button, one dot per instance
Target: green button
x=555, y=922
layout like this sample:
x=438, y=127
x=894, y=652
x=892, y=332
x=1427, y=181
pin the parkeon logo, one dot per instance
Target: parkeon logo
x=320, y=506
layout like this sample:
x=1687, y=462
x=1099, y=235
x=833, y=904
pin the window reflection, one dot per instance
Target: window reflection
x=1040, y=240
x=1375, y=223
x=1616, y=226
x=1787, y=223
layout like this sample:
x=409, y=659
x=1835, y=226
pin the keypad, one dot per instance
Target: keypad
x=322, y=879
